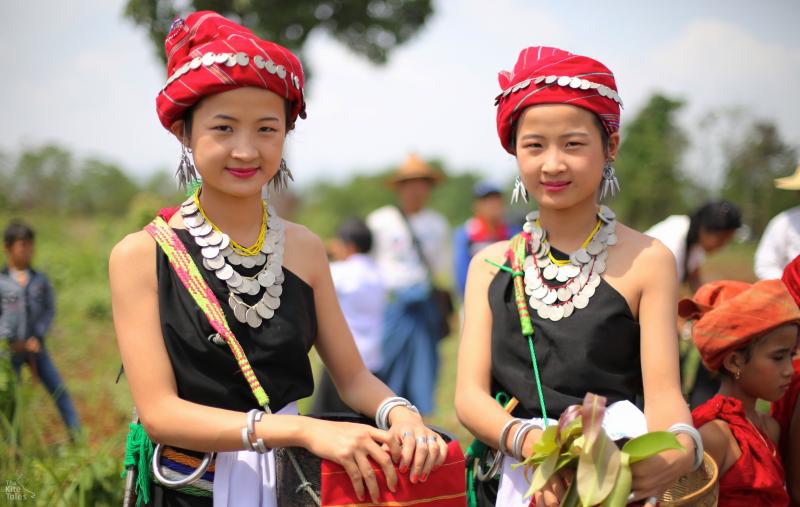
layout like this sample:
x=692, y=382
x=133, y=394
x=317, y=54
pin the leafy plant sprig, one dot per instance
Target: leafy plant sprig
x=602, y=470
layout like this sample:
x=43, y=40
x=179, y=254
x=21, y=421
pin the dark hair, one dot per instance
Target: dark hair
x=596, y=119
x=714, y=216
x=355, y=231
x=17, y=230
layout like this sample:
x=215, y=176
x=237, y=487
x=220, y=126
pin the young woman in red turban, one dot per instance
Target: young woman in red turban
x=601, y=295
x=748, y=333
x=787, y=409
x=231, y=99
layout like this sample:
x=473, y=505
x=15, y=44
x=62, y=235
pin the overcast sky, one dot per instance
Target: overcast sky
x=77, y=74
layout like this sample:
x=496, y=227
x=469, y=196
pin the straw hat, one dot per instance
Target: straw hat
x=789, y=182
x=414, y=168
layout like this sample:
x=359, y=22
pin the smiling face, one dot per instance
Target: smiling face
x=560, y=154
x=766, y=370
x=237, y=139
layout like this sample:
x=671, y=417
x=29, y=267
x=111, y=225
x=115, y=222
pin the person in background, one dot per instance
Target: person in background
x=362, y=298
x=707, y=230
x=748, y=333
x=780, y=242
x=27, y=309
x=411, y=250
x=786, y=410
x=486, y=226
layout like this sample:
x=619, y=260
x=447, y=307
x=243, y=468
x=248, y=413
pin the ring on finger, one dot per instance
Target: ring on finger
x=653, y=500
x=407, y=434
x=432, y=439
x=422, y=440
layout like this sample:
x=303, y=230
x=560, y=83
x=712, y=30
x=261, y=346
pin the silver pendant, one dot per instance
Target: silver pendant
x=225, y=272
x=540, y=292
x=248, y=261
x=234, y=259
x=556, y=313
x=568, y=308
x=252, y=318
x=213, y=238
x=209, y=252
x=550, y=271
x=266, y=278
x=214, y=263
x=235, y=280
x=564, y=294
x=580, y=301
x=264, y=311
x=272, y=303
x=193, y=220
x=550, y=298
x=240, y=312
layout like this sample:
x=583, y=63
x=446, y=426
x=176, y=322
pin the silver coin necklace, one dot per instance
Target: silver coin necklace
x=220, y=255
x=559, y=288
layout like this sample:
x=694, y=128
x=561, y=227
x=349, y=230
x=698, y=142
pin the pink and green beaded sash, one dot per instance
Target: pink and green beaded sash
x=186, y=269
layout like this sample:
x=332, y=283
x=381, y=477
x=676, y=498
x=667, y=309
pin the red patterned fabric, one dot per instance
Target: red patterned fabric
x=565, y=79
x=791, y=278
x=730, y=314
x=208, y=54
x=445, y=486
x=757, y=477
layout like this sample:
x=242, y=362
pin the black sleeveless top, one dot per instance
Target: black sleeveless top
x=277, y=350
x=595, y=350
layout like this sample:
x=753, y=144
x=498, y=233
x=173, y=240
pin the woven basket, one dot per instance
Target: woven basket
x=698, y=489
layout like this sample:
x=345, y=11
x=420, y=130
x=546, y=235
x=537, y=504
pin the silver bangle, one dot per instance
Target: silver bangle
x=249, y=433
x=690, y=430
x=501, y=445
x=519, y=439
x=386, y=406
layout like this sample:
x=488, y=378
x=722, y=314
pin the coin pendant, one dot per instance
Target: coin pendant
x=556, y=313
x=252, y=317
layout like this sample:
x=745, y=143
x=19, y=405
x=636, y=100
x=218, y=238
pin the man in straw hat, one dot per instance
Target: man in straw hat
x=780, y=242
x=410, y=249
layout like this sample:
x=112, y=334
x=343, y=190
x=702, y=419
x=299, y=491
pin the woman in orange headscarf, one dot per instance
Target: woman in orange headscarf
x=748, y=333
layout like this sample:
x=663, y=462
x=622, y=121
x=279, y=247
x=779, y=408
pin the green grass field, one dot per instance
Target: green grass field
x=74, y=253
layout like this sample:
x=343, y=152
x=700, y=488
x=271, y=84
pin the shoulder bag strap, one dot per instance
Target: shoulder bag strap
x=204, y=297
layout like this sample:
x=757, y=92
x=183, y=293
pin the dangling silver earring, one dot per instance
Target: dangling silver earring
x=519, y=191
x=610, y=184
x=186, y=174
x=281, y=179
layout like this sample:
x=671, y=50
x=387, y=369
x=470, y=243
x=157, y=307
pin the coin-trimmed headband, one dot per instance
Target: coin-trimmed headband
x=547, y=75
x=209, y=54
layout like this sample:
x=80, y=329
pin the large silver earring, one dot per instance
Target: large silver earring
x=519, y=191
x=281, y=179
x=610, y=184
x=186, y=174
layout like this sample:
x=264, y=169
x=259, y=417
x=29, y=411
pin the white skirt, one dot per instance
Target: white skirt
x=246, y=477
x=622, y=419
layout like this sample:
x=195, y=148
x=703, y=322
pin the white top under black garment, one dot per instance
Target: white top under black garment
x=672, y=232
x=362, y=297
x=393, y=249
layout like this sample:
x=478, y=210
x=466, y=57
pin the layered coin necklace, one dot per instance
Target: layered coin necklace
x=220, y=254
x=557, y=288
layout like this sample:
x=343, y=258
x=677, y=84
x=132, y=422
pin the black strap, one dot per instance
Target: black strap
x=417, y=245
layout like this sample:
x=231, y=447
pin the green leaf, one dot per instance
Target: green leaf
x=592, y=412
x=650, y=444
x=548, y=443
x=598, y=467
x=542, y=474
x=622, y=486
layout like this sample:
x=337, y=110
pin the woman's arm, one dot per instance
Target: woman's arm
x=664, y=403
x=356, y=385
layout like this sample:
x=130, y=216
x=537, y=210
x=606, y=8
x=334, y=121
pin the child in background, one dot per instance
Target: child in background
x=362, y=297
x=786, y=410
x=27, y=309
x=749, y=333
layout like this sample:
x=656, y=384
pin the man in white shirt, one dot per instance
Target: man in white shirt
x=362, y=297
x=413, y=320
x=780, y=242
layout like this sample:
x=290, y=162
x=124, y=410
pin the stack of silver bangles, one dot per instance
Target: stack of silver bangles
x=382, y=415
x=249, y=431
x=519, y=437
x=690, y=430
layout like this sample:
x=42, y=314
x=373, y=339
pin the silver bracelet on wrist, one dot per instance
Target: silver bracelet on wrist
x=519, y=439
x=386, y=406
x=691, y=431
x=504, y=435
x=249, y=431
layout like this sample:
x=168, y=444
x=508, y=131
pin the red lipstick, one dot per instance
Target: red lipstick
x=555, y=186
x=242, y=172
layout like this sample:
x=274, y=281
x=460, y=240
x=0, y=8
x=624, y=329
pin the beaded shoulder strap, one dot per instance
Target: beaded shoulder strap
x=186, y=269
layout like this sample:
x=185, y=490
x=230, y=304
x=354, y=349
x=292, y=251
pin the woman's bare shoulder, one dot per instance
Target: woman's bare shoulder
x=133, y=260
x=643, y=247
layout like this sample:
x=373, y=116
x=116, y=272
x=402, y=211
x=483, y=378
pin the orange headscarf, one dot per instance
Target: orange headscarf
x=730, y=314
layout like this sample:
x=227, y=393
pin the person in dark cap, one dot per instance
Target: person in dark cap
x=486, y=226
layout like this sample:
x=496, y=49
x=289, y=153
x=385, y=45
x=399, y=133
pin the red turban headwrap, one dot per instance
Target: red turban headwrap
x=791, y=278
x=208, y=54
x=731, y=314
x=545, y=75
